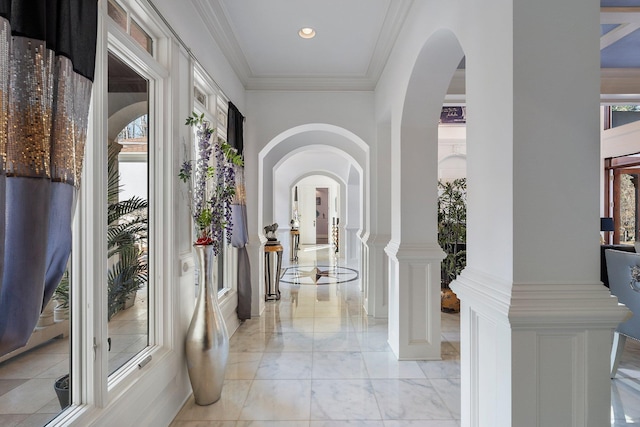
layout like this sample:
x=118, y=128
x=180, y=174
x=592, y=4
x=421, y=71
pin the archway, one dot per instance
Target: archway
x=313, y=148
x=414, y=253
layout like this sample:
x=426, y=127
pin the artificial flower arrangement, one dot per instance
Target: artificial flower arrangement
x=210, y=207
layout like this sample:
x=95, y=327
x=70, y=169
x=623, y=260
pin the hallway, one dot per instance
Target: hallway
x=315, y=359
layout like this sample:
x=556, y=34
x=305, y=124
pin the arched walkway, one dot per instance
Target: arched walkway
x=321, y=149
x=414, y=253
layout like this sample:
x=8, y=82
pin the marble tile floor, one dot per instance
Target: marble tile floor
x=315, y=359
x=625, y=388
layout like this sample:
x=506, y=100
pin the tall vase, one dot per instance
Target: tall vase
x=207, y=342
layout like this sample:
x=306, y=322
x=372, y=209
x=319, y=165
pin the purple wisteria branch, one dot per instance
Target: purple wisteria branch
x=211, y=214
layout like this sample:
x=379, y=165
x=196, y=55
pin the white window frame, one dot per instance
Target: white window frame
x=91, y=384
x=215, y=108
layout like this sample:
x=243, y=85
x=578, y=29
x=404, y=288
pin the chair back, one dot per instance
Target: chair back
x=624, y=286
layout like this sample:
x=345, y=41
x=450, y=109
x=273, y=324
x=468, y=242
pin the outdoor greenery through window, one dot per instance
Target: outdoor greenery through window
x=127, y=213
x=628, y=208
x=619, y=115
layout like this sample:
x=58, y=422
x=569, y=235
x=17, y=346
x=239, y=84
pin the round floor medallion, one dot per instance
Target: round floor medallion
x=318, y=275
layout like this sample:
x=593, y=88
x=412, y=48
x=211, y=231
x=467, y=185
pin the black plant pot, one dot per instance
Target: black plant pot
x=61, y=387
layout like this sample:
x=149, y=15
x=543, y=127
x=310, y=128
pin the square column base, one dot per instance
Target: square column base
x=535, y=355
x=414, y=301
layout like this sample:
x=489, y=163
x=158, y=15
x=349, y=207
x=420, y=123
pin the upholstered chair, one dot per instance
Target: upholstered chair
x=624, y=276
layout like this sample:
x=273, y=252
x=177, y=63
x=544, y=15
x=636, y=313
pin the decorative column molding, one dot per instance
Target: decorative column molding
x=376, y=294
x=532, y=353
x=353, y=244
x=256, y=259
x=414, y=300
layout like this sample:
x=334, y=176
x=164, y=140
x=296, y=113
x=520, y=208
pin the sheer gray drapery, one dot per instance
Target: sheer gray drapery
x=47, y=60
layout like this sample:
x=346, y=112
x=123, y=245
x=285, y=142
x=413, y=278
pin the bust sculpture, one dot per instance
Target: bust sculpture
x=270, y=233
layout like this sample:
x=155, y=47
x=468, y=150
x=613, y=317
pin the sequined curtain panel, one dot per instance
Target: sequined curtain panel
x=47, y=57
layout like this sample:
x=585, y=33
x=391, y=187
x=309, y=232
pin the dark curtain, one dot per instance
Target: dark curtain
x=235, y=126
x=47, y=60
x=240, y=232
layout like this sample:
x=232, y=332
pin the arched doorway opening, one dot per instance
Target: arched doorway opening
x=323, y=150
x=414, y=253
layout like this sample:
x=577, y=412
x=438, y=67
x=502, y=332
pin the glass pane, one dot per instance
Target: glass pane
x=200, y=96
x=118, y=14
x=628, y=208
x=141, y=37
x=127, y=211
x=210, y=190
x=29, y=376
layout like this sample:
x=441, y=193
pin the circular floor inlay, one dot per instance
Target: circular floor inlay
x=318, y=275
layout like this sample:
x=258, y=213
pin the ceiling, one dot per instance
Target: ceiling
x=354, y=39
x=260, y=40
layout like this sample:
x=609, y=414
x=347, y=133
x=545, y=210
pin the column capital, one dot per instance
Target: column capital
x=542, y=305
x=414, y=252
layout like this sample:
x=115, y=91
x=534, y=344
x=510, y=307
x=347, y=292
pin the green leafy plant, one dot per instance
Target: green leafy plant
x=61, y=294
x=126, y=240
x=452, y=228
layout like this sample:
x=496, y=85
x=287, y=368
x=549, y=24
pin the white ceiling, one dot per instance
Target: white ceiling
x=354, y=38
x=260, y=39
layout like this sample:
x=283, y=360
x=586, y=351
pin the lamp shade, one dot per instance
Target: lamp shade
x=606, y=224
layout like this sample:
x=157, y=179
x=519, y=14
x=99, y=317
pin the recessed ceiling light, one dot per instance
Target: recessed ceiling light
x=307, y=33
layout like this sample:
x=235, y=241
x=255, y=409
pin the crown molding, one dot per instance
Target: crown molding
x=217, y=23
x=393, y=22
x=311, y=83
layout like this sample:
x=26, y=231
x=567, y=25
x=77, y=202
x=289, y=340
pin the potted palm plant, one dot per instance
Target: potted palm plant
x=128, y=264
x=61, y=296
x=126, y=241
x=452, y=236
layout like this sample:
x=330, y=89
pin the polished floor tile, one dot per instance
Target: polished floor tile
x=277, y=400
x=317, y=360
x=314, y=359
x=386, y=365
x=227, y=408
x=343, y=400
x=291, y=365
x=242, y=366
x=410, y=399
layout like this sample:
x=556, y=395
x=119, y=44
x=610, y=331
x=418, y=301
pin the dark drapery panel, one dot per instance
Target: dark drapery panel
x=235, y=126
x=240, y=232
x=47, y=57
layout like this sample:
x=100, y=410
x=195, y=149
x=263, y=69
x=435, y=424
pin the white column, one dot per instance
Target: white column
x=414, y=257
x=414, y=301
x=535, y=321
x=376, y=297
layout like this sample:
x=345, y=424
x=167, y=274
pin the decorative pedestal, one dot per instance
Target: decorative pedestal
x=295, y=245
x=272, y=249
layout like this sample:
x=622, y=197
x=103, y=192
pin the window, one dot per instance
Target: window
x=130, y=26
x=127, y=214
x=621, y=197
x=207, y=99
x=619, y=115
x=118, y=249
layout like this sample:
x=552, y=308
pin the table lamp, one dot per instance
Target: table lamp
x=606, y=225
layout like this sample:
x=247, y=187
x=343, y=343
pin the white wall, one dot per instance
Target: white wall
x=133, y=179
x=452, y=152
